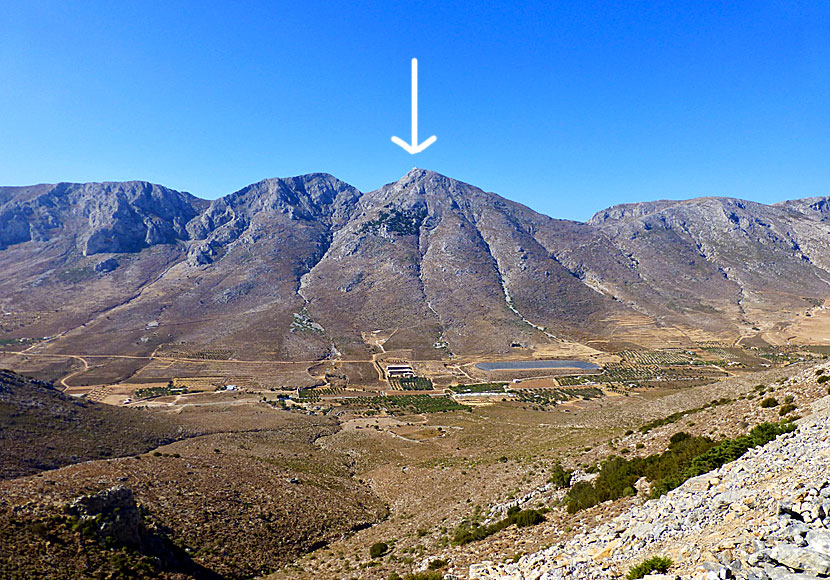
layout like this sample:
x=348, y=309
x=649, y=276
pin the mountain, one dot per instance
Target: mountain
x=303, y=268
x=723, y=257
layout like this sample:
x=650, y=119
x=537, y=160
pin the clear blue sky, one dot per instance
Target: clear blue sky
x=567, y=107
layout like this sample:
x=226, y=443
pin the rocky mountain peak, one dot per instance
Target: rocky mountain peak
x=433, y=192
x=308, y=197
x=811, y=206
x=100, y=217
x=625, y=211
x=268, y=207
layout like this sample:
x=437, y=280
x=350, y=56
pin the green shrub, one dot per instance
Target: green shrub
x=769, y=402
x=823, y=379
x=687, y=456
x=378, y=549
x=526, y=518
x=656, y=564
x=467, y=532
x=582, y=495
x=559, y=476
x=428, y=575
x=678, y=437
x=674, y=417
x=437, y=564
x=786, y=409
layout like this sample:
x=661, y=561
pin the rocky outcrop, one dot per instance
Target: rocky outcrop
x=107, y=265
x=111, y=515
x=764, y=516
x=254, y=212
x=100, y=217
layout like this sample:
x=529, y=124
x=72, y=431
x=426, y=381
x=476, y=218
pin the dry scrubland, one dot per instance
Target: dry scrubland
x=503, y=452
x=241, y=488
x=243, y=492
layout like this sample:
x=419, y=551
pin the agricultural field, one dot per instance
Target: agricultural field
x=410, y=384
x=634, y=376
x=667, y=357
x=786, y=356
x=148, y=392
x=544, y=398
x=480, y=388
x=408, y=404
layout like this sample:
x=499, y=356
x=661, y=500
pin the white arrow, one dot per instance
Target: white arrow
x=414, y=147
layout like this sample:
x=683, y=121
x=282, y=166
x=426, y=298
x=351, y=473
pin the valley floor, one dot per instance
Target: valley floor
x=304, y=492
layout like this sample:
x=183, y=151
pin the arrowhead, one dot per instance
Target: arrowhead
x=413, y=149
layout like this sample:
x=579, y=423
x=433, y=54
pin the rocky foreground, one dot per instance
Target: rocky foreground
x=764, y=516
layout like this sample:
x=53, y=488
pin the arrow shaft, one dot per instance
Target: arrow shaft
x=414, y=147
x=415, y=101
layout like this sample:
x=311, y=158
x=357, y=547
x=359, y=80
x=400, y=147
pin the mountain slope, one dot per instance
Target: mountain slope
x=44, y=429
x=445, y=261
x=301, y=268
x=725, y=255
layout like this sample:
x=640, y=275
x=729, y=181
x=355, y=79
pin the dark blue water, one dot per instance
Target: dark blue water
x=530, y=365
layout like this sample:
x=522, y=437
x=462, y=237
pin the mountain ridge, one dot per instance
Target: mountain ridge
x=798, y=201
x=443, y=266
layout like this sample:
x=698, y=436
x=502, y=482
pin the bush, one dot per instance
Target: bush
x=526, y=518
x=686, y=457
x=437, y=564
x=471, y=532
x=678, y=437
x=823, y=379
x=769, y=402
x=379, y=549
x=786, y=409
x=656, y=564
x=582, y=495
x=559, y=476
x=430, y=575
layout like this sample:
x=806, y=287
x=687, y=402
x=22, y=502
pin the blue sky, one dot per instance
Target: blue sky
x=567, y=107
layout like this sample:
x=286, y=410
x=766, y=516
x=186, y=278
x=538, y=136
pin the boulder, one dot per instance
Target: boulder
x=801, y=559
